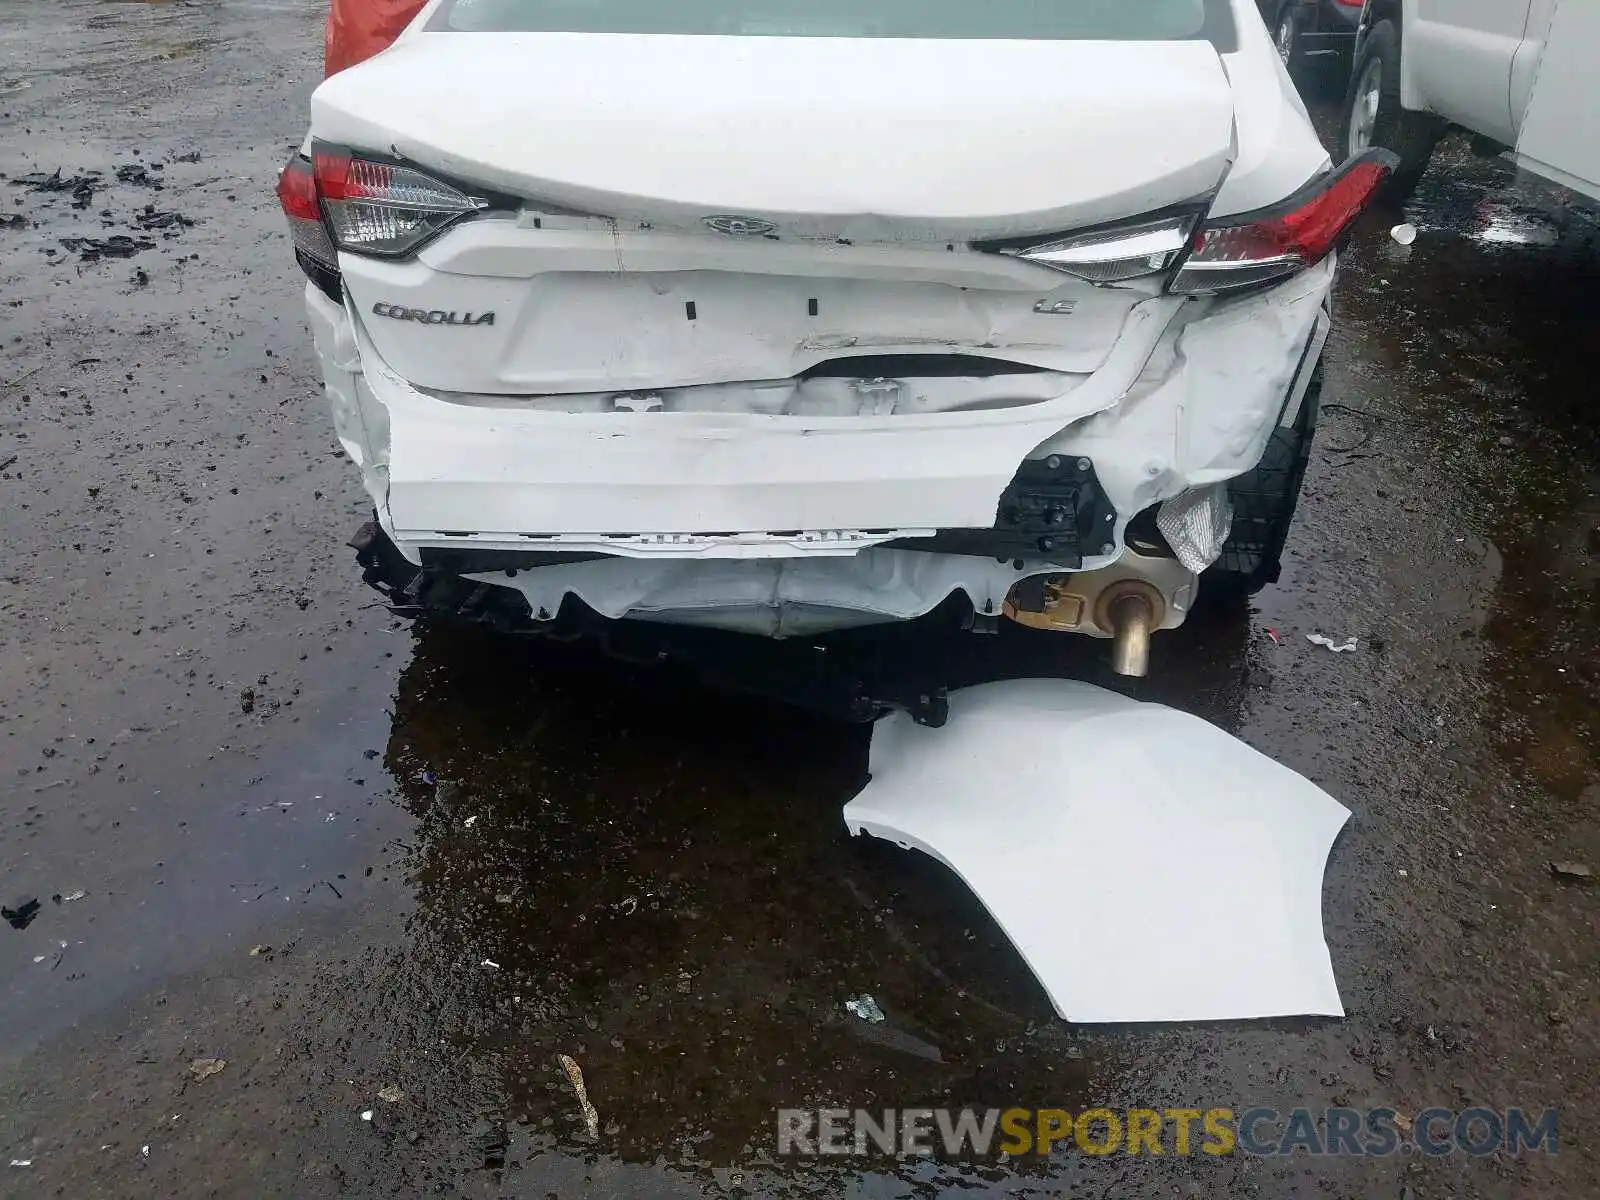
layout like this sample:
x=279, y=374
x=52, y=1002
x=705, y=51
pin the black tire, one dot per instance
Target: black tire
x=1286, y=37
x=1264, y=502
x=1411, y=135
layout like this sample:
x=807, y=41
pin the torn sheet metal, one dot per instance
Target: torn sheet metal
x=1146, y=865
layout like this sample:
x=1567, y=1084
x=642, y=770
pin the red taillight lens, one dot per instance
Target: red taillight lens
x=1255, y=248
x=385, y=209
x=297, y=193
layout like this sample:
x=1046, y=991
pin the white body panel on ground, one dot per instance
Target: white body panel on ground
x=1145, y=864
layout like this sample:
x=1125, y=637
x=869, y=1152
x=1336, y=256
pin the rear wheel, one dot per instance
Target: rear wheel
x=1373, y=115
x=1286, y=36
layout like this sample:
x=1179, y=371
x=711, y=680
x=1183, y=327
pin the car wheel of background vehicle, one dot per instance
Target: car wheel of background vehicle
x=1286, y=36
x=1264, y=502
x=1373, y=115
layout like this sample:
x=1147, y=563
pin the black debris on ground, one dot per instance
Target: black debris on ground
x=137, y=173
x=151, y=219
x=117, y=246
x=23, y=914
x=82, y=187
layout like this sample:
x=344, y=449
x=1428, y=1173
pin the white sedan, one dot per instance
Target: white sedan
x=784, y=316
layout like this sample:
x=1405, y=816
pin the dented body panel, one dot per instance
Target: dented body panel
x=1187, y=396
x=810, y=372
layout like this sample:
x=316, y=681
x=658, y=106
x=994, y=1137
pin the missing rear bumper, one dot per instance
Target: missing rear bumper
x=841, y=680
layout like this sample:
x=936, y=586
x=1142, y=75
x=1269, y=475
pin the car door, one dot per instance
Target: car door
x=1460, y=55
x=1526, y=64
x=1555, y=95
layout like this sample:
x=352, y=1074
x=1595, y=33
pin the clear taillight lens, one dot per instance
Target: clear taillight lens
x=1114, y=254
x=383, y=209
x=297, y=193
x=313, y=248
x=1254, y=248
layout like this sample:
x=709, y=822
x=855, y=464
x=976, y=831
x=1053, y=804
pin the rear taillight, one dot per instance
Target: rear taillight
x=1253, y=248
x=297, y=192
x=339, y=201
x=383, y=209
x=1114, y=253
x=313, y=248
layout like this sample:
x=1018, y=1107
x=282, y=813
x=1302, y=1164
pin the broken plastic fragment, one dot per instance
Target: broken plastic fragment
x=23, y=914
x=1091, y=826
x=865, y=1007
x=1317, y=639
x=366, y=1114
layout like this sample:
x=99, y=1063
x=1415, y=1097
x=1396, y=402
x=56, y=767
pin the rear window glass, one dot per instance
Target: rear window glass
x=1041, y=20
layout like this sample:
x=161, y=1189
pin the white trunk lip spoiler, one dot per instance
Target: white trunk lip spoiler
x=1145, y=864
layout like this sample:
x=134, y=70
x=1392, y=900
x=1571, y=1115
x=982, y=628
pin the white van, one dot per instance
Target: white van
x=1521, y=75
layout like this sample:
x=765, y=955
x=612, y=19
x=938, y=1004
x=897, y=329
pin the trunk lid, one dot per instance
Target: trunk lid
x=868, y=139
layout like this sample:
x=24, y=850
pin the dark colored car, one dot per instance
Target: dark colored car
x=1303, y=29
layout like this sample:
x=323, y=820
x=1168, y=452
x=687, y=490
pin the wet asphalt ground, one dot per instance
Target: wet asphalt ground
x=300, y=827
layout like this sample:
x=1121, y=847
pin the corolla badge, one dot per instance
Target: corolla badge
x=431, y=316
x=740, y=226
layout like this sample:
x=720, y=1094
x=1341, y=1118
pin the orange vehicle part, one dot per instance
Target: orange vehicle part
x=358, y=29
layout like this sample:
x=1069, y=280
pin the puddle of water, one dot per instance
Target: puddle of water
x=648, y=867
x=1503, y=225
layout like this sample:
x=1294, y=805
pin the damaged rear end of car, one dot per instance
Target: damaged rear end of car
x=786, y=319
